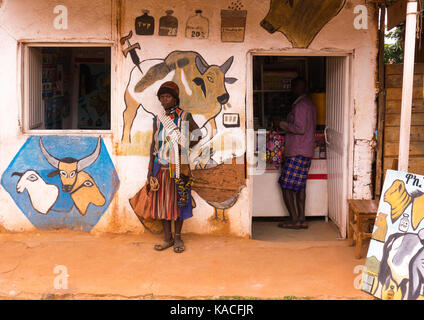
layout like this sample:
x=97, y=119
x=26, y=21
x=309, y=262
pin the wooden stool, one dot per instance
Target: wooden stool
x=361, y=213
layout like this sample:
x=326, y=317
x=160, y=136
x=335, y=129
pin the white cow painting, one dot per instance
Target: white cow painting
x=41, y=194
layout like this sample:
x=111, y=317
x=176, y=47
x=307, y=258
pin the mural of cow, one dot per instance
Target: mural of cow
x=85, y=191
x=68, y=168
x=202, y=87
x=78, y=183
x=41, y=194
x=203, y=93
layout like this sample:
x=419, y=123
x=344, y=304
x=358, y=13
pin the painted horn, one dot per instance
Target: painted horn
x=52, y=160
x=227, y=64
x=90, y=159
x=200, y=65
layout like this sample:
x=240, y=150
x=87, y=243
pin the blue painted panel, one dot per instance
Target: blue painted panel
x=53, y=208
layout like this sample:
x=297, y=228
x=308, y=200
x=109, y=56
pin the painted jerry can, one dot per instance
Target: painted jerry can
x=197, y=26
x=168, y=25
x=145, y=24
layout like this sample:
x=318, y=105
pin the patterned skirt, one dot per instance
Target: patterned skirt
x=294, y=173
x=164, y=204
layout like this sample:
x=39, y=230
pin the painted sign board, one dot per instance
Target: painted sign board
x=394, y=268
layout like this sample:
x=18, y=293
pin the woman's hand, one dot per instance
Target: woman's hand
x=275, y=124
x=149, y=175
x=284, y=125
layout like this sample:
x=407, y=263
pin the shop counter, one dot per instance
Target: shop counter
x=268, y=199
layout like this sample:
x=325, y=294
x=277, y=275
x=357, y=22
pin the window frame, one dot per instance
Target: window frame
x=24, y=110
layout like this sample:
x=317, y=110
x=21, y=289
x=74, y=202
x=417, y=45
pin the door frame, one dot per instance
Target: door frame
x=249, y=116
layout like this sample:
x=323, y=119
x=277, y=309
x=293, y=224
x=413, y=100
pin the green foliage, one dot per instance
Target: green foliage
x=393, y=52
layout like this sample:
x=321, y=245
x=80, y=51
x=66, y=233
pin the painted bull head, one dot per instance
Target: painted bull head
x=202, y=87
x=212, y=80
x=68, y=168
x=85, y=191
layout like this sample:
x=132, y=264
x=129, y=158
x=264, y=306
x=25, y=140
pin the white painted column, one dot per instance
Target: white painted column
x=407, y=86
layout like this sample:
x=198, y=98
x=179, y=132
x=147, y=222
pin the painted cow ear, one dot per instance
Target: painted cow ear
x=200, y=82
x=230, y=80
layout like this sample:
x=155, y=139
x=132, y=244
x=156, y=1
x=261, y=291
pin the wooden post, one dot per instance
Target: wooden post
x=381, y=102
x=407, y=85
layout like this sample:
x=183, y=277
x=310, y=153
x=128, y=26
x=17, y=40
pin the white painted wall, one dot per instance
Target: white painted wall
x=94, y=21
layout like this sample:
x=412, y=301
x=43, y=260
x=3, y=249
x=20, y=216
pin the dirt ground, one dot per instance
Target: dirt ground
x=125, y=266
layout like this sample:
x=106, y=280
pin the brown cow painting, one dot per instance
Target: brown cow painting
x=202, y=86
x=203, y=93
x=78, y=183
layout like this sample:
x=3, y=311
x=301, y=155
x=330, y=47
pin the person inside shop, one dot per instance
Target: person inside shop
x=299, y=140
x=172, y=200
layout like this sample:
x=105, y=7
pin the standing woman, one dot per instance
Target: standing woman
x=172, y=201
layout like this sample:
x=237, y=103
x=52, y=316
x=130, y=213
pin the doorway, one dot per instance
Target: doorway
x=327, y=79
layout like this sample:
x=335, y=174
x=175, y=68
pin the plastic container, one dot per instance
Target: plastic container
x=168, y=25
x=145, y=24
x=197, y=26
x=404, y=223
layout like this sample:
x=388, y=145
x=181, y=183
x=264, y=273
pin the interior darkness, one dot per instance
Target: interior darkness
x=76, y=87
x=272, y=76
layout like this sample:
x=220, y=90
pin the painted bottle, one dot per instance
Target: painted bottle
x=168, y=25
x=404, y=223
x=390, y=293
x=197, y=26
x=145, y=24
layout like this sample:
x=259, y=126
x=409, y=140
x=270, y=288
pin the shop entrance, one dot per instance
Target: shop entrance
x=327, y=185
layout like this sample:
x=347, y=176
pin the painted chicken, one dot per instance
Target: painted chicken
x=220, y=186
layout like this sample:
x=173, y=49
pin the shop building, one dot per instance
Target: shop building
x=69, y=98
